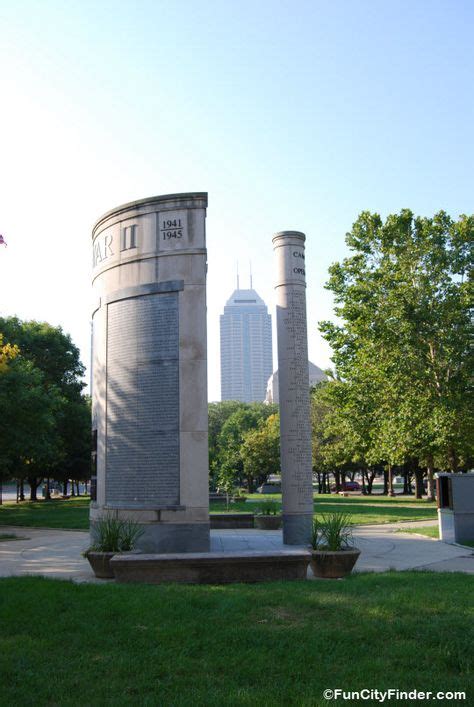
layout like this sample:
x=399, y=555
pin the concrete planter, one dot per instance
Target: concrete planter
x=268, y=522
x=333, y=564
x=100, y=563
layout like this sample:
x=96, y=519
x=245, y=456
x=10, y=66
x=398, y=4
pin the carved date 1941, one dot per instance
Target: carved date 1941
x=171, y=228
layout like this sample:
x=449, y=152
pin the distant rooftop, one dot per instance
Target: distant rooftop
x=244, y=297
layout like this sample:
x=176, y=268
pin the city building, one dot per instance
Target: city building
x=246, y=347
x=316, y=375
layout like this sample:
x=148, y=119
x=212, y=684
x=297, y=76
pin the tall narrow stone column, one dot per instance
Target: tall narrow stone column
x=149, y=363
x=295, y=420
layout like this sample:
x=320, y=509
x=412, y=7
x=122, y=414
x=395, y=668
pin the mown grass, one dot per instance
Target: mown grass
x=278, y=643
x=363, y=509
x=430, y=531
x=74, y=512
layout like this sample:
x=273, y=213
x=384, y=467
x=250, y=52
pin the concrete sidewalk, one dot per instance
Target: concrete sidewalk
x=383, y=547
x=57, y=553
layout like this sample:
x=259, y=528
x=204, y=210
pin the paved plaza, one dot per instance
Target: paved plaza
x=57, y=553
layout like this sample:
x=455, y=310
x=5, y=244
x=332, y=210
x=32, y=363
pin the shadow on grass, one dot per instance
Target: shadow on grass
x=264, y=644
x=73, y=513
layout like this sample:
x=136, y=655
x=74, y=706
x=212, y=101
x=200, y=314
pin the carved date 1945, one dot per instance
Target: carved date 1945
x=171, y=228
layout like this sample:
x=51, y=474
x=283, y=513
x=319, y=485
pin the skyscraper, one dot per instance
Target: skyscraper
x=246, y=347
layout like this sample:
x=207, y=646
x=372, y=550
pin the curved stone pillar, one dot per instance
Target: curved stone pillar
x=149, y=371
x=293, y=385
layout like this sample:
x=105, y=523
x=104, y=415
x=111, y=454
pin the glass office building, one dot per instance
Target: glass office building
x=246, y=347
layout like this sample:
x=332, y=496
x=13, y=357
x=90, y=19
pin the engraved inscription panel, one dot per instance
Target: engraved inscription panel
x=294, y=393
x=142, y=463
x=172, y=230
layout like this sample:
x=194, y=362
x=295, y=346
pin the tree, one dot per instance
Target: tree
x=403, y=342
x=28, y=437
x=230, y=440
x=218, y=415
x=7, y=354
x=75, y=431
x=260, y=452
x=51, y=353
x=49, y=349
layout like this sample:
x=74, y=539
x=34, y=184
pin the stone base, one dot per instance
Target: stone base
x=297, y=529
x=211, y=567
x=231, y=520
x=172, y=537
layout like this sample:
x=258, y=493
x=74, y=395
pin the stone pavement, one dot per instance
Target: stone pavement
x=57, y=553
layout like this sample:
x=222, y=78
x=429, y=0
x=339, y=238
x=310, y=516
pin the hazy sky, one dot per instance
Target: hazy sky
x=292, y=115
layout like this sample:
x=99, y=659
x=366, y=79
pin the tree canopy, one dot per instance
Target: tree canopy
x=45, y=430
x=402, y=344
x=229, y=423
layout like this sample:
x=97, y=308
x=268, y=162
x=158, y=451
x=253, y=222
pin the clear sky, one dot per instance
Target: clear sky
x=291, y=114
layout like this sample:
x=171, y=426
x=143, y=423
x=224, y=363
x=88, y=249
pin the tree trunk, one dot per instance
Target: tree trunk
x=22, y=489
x=390, y=480
x=406, y=489
x=65, y=485
x=430, y=470
x=337, y=480
x=48, y=491
x=34, y=482
x=320, y=482
x=453, y=460
x=370, y=481
x=419, y=488
x=385, y=482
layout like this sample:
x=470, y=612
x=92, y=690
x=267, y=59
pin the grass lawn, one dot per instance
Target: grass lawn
x=74, y=513
x=364, y=509
x=430, y=531
x=278, y=643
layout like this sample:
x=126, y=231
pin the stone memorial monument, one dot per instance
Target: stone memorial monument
x=149, y=371
x=295, y=419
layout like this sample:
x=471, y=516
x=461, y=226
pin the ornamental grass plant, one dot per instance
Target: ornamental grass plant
x=267, y=508
x=332, y=532
x=113, y=534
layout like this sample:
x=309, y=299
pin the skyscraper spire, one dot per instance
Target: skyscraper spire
x=238, y=287
x=250, y=266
